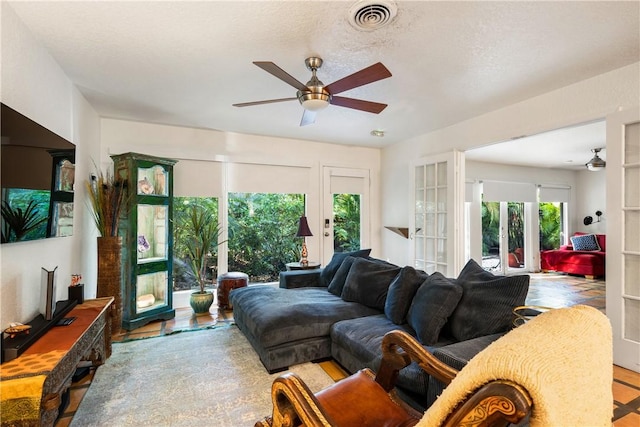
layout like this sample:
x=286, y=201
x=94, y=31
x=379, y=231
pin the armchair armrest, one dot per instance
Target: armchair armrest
x=300, y=279
x=399, y=349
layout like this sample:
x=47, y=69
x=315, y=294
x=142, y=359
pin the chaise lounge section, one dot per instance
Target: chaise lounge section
x=356, y=300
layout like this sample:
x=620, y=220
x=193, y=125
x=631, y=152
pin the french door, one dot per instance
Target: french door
x=345, y=225
x=623, y=236
x=436, y=226
x=504, y=236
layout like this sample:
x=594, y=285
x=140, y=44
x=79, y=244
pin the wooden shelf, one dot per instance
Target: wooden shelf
x=403, y=231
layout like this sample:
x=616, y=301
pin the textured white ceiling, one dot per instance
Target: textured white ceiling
x=186, y=63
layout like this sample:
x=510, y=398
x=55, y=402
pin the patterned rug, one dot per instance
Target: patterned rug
x=202, y=378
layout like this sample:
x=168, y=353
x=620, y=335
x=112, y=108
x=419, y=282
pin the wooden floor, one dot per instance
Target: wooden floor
x=550, y=290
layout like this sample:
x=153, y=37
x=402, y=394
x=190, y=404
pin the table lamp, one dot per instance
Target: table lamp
x=303, y=231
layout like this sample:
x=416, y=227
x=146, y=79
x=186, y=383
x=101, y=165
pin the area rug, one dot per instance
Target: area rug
x=163, y=332
x=202, y=378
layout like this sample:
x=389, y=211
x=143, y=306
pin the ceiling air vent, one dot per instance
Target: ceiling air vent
x=369, y=15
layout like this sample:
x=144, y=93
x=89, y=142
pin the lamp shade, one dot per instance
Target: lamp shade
x=303, y=228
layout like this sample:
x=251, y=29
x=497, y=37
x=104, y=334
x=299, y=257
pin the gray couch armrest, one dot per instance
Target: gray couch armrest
x=300, y=279
x=456, y=355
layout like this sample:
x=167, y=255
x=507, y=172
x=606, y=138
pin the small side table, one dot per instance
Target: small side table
x=228, y=282
x=297, y=266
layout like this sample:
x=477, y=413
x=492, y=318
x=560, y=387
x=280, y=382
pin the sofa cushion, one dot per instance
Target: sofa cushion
x=585, y=242
x=330, y=269
x=368, y=282
x=432, y=305
x=487, y=302
x=337, y=283
x=401, y=292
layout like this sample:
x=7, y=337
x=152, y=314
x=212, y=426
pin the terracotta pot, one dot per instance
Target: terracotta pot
x=110, y=276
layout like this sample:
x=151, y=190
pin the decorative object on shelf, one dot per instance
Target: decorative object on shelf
x=204, y=234
x=76, y=289
x=143, y=244
x=596, y=163
x=147, y=238
x=17, y=329
x=304, y=232
x=48, y=293
x=144, y=186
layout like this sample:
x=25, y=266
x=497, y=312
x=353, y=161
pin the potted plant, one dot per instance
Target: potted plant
x=201, y=232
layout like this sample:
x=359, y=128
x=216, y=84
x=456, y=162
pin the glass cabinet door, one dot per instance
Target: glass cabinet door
x=152, y=233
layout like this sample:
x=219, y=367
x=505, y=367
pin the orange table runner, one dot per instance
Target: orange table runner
x=22, y=379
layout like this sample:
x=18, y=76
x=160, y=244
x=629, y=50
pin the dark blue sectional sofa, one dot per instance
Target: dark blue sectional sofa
x=344, y=310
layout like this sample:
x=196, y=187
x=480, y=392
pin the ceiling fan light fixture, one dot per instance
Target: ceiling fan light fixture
x=596, y=163
x=314, y=101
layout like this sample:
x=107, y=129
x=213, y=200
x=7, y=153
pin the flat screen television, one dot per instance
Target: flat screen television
x=37, y=176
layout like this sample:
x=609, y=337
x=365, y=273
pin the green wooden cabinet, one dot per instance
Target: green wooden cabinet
x=146, y=228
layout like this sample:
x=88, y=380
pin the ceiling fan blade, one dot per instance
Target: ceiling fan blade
x=363, y=77
x=358, y=104
x=273, y=69
x=268, y=101
x=308, y=117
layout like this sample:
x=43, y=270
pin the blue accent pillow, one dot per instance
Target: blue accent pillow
x=368, y=282
x=585, y=242
x=434, y=302
x=337, y=283
x=330, y=269
x=401, y=292
x=487, y=302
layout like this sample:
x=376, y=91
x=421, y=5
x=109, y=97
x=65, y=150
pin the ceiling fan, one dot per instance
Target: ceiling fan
x=315, y=96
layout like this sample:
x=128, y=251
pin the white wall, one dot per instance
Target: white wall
x=35, y=85
x=581, y=102
x=591, y=196
x=225, y=148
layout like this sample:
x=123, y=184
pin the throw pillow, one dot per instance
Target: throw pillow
x=487, y=302
x=401, y=292
x=585, y=242
x=330, y=269
x=434, y=302
x=368, y=281
x=337, y=283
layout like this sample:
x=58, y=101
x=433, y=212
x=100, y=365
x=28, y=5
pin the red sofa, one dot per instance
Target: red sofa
x=590, y=264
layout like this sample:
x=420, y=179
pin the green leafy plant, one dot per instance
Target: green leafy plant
x=107, y=197
x=18, y=222
x=201, y=233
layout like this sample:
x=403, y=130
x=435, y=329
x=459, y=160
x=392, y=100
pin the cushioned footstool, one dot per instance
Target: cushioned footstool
x=228, y=282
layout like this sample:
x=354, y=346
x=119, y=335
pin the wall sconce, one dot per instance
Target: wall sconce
x=588, y=220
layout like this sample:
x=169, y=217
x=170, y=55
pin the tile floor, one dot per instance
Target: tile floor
x=549, y=290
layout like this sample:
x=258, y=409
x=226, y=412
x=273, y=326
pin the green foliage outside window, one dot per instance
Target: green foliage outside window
x=550, y=225
x=346, y=222
x=262, y=233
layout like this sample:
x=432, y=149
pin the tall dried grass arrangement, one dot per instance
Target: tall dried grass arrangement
x=106, y=197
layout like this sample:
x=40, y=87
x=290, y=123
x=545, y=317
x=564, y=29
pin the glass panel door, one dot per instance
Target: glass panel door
x=623, y=244
x=436, y=227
